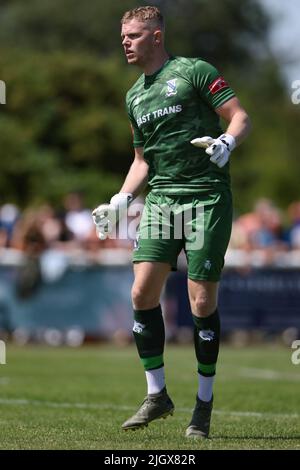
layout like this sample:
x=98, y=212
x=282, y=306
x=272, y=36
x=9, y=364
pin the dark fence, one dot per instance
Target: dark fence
x=264, y=299
x=97, y=300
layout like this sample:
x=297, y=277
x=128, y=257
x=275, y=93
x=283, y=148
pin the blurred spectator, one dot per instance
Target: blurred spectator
x=270, y=234
x=259, y=229
x=78, y=219
x=294, y=231
x=258, y=237
x=54, y=229
x=9, y=214
x=28, y=235
x=29, y=238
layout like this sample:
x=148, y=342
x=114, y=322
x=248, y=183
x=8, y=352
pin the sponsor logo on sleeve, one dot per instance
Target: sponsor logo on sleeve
x=217, y=85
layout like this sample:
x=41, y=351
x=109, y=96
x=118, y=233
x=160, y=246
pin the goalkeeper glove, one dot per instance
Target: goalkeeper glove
x=106, y=216
x=219, y=149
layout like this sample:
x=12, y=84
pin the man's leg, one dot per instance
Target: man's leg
x=149, y=334
x=203, y=300
x=148, y=330
x=205, y=266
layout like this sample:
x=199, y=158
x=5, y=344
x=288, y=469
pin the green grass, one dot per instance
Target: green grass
x=78, y=398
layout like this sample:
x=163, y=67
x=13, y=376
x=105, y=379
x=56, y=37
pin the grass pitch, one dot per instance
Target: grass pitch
x=78, y=398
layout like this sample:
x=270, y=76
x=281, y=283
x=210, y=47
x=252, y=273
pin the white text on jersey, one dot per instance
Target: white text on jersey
x=159, y=113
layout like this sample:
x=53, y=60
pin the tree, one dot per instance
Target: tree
x=64, y=126
x=226, y=32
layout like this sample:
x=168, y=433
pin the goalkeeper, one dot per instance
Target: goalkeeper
x=183, y=154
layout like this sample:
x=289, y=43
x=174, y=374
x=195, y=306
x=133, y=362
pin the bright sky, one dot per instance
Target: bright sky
x=285, y=35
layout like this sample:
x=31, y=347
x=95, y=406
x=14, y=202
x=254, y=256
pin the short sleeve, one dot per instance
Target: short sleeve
x=210, y=84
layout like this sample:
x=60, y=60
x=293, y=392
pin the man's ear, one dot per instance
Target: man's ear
x=157, y=35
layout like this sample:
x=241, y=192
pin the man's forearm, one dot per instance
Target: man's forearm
x=136, y=179
x=239, y=126
x=106, y=216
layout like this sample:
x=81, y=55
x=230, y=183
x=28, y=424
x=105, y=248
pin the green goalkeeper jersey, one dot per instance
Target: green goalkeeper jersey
x=170, y=108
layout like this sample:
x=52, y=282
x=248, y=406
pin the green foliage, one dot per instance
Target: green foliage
x=223, y=33
x=219, y=31
x=267, y=164
x=65, y=125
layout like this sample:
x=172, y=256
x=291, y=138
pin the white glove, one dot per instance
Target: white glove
x=219, y=149
x=106, y=216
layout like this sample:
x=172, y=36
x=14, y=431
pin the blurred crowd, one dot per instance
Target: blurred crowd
x=267, y=235
x=43, y=242
x=69, y=229
x=265, y=230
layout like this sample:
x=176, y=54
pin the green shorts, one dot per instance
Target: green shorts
x=200, y=225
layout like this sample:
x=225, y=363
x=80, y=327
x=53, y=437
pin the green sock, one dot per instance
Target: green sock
x=206, y=341
x=149, y=335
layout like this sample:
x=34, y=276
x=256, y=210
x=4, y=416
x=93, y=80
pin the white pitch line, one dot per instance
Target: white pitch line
x=267, y=374
x=110, y=406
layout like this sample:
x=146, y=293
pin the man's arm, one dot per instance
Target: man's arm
x=239, y=125
x=137, y=176
x=106, y=216
x=238, y=128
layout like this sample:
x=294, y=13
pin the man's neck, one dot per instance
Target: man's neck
x=156, y=64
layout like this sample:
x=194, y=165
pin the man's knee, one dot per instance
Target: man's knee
x=203, y=302
x=142, y=299
x=203, y=297
x=203, y=306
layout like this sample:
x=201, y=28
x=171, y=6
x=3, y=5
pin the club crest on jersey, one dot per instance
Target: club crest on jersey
x=171, y=87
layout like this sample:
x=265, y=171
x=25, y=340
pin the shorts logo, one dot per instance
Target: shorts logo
x=136, y=244
x=217, y=85
x=171, y=87
x=207, y=335
x=138, y=327
x=207, y=264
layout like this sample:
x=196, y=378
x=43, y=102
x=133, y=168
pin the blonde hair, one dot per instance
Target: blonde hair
x=143, y=14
